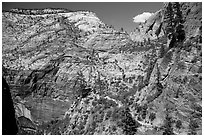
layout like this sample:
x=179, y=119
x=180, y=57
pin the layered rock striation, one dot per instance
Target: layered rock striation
x=69, y=73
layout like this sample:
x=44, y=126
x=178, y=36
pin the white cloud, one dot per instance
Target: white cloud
x=142, y=17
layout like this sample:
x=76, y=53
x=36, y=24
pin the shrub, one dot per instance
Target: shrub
x=168, y=129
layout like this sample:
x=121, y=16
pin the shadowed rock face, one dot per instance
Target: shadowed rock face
x=9, y=125
x=69, y=73
x=193, y=16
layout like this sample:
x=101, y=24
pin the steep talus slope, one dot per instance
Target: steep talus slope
x=72, y=74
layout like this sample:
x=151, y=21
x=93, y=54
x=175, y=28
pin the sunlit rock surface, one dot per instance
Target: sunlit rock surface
x=69, y=73
x=191, y=12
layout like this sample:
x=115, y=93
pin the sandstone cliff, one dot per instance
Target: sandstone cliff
x=69, y=73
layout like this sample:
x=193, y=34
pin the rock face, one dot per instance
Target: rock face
x=69, y=73
x=191, y=13
x=147, y=29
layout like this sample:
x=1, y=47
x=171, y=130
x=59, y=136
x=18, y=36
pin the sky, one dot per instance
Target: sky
x=118, y=14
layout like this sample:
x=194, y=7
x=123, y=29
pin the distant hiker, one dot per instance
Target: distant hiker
x=9, y=126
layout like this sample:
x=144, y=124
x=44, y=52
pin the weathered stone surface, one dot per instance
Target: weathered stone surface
x=192, y=15
x=71, y=74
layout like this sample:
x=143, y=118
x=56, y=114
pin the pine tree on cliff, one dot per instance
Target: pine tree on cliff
x=178, y=22
x=172, y=16
x=174, y=28
x=168, y=18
